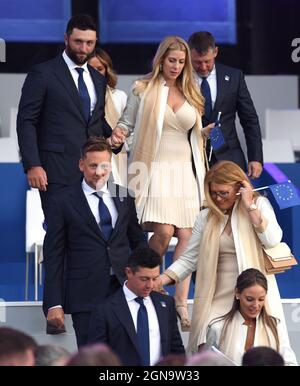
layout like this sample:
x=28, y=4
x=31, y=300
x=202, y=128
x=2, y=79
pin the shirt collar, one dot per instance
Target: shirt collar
x=73, y=65
x=130, y=296
x=89, y=190
x=212, y=73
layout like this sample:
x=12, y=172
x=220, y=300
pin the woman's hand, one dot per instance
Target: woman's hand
x=246, y=194
x=207, y=129
x=158, y=285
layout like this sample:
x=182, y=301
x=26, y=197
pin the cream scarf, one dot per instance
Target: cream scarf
x=251, y=250
x=229, y=343
x=118, y=161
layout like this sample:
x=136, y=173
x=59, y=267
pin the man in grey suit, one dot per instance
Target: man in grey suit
x=120, y=321
x=62, y=104
x=226, y=92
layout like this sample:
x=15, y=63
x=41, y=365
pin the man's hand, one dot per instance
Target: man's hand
x=37, y=178
x=56, y=317
x=254, y=169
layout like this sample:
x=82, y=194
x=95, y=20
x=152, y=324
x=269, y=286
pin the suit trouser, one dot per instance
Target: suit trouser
x=46, y=196
x=81, y=320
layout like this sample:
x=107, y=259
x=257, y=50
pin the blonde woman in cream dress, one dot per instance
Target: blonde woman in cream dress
x=164, y=112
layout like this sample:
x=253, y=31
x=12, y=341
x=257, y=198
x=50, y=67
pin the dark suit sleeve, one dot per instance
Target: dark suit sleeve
x=30, y=106
x=54, y=256
x=176, y=341
x=106, y=130
x=135, y=233
x=97, y=328
x=249, y=121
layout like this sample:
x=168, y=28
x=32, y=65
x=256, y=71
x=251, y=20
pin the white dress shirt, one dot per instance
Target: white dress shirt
x=154, y=331
x=93, y=202
x=212, y=81
x=86, y=77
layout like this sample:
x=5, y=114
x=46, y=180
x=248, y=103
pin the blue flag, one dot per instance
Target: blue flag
x=285, y=194
x=216, y=137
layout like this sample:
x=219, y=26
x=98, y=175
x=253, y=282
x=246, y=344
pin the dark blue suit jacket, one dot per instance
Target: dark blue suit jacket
x=51, y=125
x=111, y=323
x=233, y=97
x=77, y=258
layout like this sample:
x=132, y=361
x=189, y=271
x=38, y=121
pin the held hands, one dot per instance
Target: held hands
x=37, y=178
x=118, y=136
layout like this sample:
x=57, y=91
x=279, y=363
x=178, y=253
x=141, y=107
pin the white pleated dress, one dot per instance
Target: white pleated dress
x=173, y=192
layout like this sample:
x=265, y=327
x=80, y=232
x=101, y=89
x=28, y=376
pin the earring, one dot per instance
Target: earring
x=237, y=298
x=160, y=67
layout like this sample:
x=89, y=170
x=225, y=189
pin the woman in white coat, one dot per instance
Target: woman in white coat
x=115, y=102
x=228, y=237
x=248, y=323
x=164, y=113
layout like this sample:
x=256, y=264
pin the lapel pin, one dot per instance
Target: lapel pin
x=227, y=78
x=121, y=199
x=163, y=304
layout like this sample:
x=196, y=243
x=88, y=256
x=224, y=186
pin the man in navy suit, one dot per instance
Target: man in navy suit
x=56, y=115
x=229, y=95
x=116, y=322
x=84, y=258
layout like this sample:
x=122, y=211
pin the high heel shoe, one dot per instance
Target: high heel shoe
x=183, y=315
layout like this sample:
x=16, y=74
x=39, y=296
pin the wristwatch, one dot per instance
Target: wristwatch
x=252, y=207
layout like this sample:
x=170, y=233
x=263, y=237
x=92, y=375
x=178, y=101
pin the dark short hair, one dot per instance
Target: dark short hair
x=144, y=257
x=262, y=356
x=82, y=22
x=202, y=41
x=95, y=144
x=14, y=342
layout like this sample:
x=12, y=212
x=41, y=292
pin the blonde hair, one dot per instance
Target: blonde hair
x=223, y=173
x=106, y=61
x=185, y=82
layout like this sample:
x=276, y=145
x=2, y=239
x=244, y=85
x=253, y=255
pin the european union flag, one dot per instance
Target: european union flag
x=216, y=137
x=285, y=194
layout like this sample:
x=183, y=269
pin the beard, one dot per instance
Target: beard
x=74, y=56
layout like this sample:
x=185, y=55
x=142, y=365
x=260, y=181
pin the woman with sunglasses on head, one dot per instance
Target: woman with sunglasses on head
x=248, y=323
x=227, y=238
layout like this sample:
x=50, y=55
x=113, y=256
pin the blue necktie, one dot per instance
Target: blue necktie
x=205, y=90
x=105, y=218
x=143, y=333
x=84, y=94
